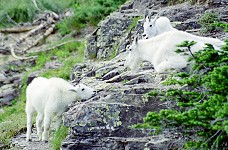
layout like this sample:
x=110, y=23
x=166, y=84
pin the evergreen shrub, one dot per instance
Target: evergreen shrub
x=201, y=105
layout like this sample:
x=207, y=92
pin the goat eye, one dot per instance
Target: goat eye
x=83, y=89
x=130, y=49
x=151, y=25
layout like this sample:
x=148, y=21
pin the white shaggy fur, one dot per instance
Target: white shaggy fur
x=160, y=50
x=156, y=26
x=49, y=98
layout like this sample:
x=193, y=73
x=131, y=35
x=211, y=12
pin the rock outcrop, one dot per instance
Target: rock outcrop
x=104, y=122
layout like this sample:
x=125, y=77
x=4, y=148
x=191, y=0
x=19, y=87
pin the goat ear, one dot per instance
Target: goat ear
x=72, y=89
x=136, y=39
x=130, y=35
x=147, y=19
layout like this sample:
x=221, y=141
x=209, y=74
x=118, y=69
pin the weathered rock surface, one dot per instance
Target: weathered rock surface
x=19, y=143
x=104, y=122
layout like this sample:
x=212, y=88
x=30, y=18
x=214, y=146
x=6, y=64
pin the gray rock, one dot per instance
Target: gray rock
x=104, y=121
x=53, y=65
x=2, y=77
x=6, y=90
x=32, y=76
x=103, y=41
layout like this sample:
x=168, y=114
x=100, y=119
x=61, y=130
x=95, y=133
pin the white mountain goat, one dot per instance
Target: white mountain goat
x=160, y=50
x=156, y=26
x=50, y=97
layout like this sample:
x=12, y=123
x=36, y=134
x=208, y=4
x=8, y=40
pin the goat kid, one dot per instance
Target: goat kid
x=50, y=97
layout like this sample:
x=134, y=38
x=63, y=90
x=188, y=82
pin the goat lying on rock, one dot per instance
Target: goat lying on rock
x=160, y=50
x=156, y=26
x=50, y=97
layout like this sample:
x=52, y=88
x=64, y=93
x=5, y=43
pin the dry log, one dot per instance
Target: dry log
x=40, y=38
x=17, y=29
x=12, y=51
x=47, y=26
x=193, y=30
x=61, y=44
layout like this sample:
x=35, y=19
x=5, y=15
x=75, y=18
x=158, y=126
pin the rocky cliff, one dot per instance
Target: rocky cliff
x=105, y=121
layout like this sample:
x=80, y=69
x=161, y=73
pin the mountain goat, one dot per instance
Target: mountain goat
x=160, y=50
x=156, y=26
x=49, y=98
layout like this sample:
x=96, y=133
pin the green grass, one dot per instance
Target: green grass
x=18, y=11
x=12, y=12
x=12, y=121
x=88, y=12
x=14, y=118
x=207, y=21
x=58, y=137
x=57, y=6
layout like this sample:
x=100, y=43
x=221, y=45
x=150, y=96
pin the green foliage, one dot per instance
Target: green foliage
x=12, y=12
x=222, y=25
x=88, y=12
x=65, y=26
x=58, y=137
x=14, y=121
x=207, y=21
x=201, y=105
x=173, y=2
x=151, y=117
x=57, y=6
x=18, y=11
x=134, y=23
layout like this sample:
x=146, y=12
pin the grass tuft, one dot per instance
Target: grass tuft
x=58, y=137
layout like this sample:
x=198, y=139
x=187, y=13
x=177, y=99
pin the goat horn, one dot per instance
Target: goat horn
x=130, y=35
x=146, y=14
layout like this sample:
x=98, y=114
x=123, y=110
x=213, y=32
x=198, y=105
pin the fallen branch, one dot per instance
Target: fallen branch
x=17, y=29
x=61, y=44
x=12, y=51
x=40, y=38
x=33, y=31
x=193, y=30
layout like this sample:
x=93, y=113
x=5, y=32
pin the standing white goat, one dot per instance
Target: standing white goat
x=160, y=50
x=50, y=97
x=156, y=26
